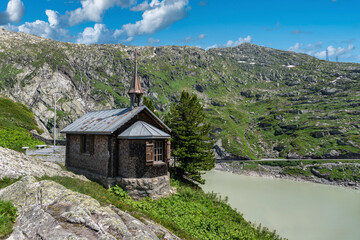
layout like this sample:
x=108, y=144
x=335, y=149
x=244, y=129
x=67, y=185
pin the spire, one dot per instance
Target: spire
x=135, y=92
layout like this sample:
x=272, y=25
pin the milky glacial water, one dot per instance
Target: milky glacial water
x=297, y=210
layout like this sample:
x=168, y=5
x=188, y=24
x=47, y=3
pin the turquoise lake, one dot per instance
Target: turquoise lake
x=297, y=210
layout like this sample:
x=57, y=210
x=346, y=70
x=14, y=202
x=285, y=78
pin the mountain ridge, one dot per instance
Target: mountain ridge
x=262, y=102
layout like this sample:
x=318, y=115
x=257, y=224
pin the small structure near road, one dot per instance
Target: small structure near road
x=129, y=147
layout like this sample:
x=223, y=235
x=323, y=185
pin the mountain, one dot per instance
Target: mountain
x=262, y=102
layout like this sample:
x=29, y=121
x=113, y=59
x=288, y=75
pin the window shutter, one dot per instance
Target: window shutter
x=168, y=150
x=149, y=153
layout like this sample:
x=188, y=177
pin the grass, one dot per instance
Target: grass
x=7, y=182
x=346, y=172
x=190, y=214
x=16, y=120
x=8, y=214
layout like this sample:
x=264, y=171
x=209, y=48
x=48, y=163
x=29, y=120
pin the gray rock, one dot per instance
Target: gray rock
x=50, y=211
x=293, y=155
x=14, y=164
x=329, y=91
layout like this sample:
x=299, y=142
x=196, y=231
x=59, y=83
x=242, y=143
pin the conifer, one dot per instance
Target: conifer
x=190, y=140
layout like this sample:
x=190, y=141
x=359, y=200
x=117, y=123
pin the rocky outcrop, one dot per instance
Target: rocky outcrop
x=14, y=164
x=302, y=172
x=237, y=86
x=48, y=210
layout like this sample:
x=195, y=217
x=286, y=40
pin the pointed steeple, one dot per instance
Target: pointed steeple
x=135, y=92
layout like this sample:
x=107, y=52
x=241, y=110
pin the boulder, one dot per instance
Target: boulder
x=328, y=91
x=293, y=155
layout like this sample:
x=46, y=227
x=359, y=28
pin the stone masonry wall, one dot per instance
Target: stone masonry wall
x=97, y=162
x=132, y=161
x=139, y=188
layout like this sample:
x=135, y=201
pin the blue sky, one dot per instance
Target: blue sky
x=307, y=26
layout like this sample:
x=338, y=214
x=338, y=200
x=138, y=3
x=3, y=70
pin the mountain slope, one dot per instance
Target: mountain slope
x=262, y=102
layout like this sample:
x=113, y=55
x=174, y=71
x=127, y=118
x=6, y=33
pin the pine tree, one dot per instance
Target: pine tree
x=190, y=140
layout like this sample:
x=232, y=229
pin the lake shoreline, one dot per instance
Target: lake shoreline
x=271, y=173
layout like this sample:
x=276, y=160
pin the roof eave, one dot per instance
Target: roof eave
x=143, y=137
x=90, y=133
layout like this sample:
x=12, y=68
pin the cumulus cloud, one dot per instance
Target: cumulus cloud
x=333, y=51
x=232, y=43
x=240, y=40
x=141, y=7
x=145, y=6
x=43, y=29
x=14, y=12
x=313, y=49
x=201, y=36
x=153, y=41
x=306, y=48
x=90, y=10
x=160, y=15
x=53, y=17
x=156, y=15
x=97, y=34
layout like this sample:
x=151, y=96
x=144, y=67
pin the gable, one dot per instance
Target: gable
x=108, y=121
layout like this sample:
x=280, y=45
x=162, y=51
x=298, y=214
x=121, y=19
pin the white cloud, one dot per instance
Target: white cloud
x=333, y=52
x=53, y=17
x=296, y=47
x=43, y=29
x=153, y=41
x=91, y=10
x=313, y=49
x=231, y=43
x=240, y=40
x=97, y=34
x=201, y=36
x=145, y=6
x=160, y=15
x=141, y=7
x=306, y=48
x=15, y=10
x=129, y=39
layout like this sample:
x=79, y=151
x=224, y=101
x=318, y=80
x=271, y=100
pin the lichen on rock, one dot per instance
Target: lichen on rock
x=48, y=210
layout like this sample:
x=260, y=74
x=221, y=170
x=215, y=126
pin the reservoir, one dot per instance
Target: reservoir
x=297, y=210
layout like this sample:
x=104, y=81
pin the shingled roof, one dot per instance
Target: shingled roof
x=107, y=121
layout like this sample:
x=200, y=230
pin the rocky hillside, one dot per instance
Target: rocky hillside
x=262, y=102
x=47, y=210
x=14, y=165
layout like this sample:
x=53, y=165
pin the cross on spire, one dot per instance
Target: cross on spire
x=135, y=92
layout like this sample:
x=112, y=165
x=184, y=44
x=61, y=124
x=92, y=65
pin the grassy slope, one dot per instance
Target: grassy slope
x=16, y=120
x=242, y=87
x=191, y=213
